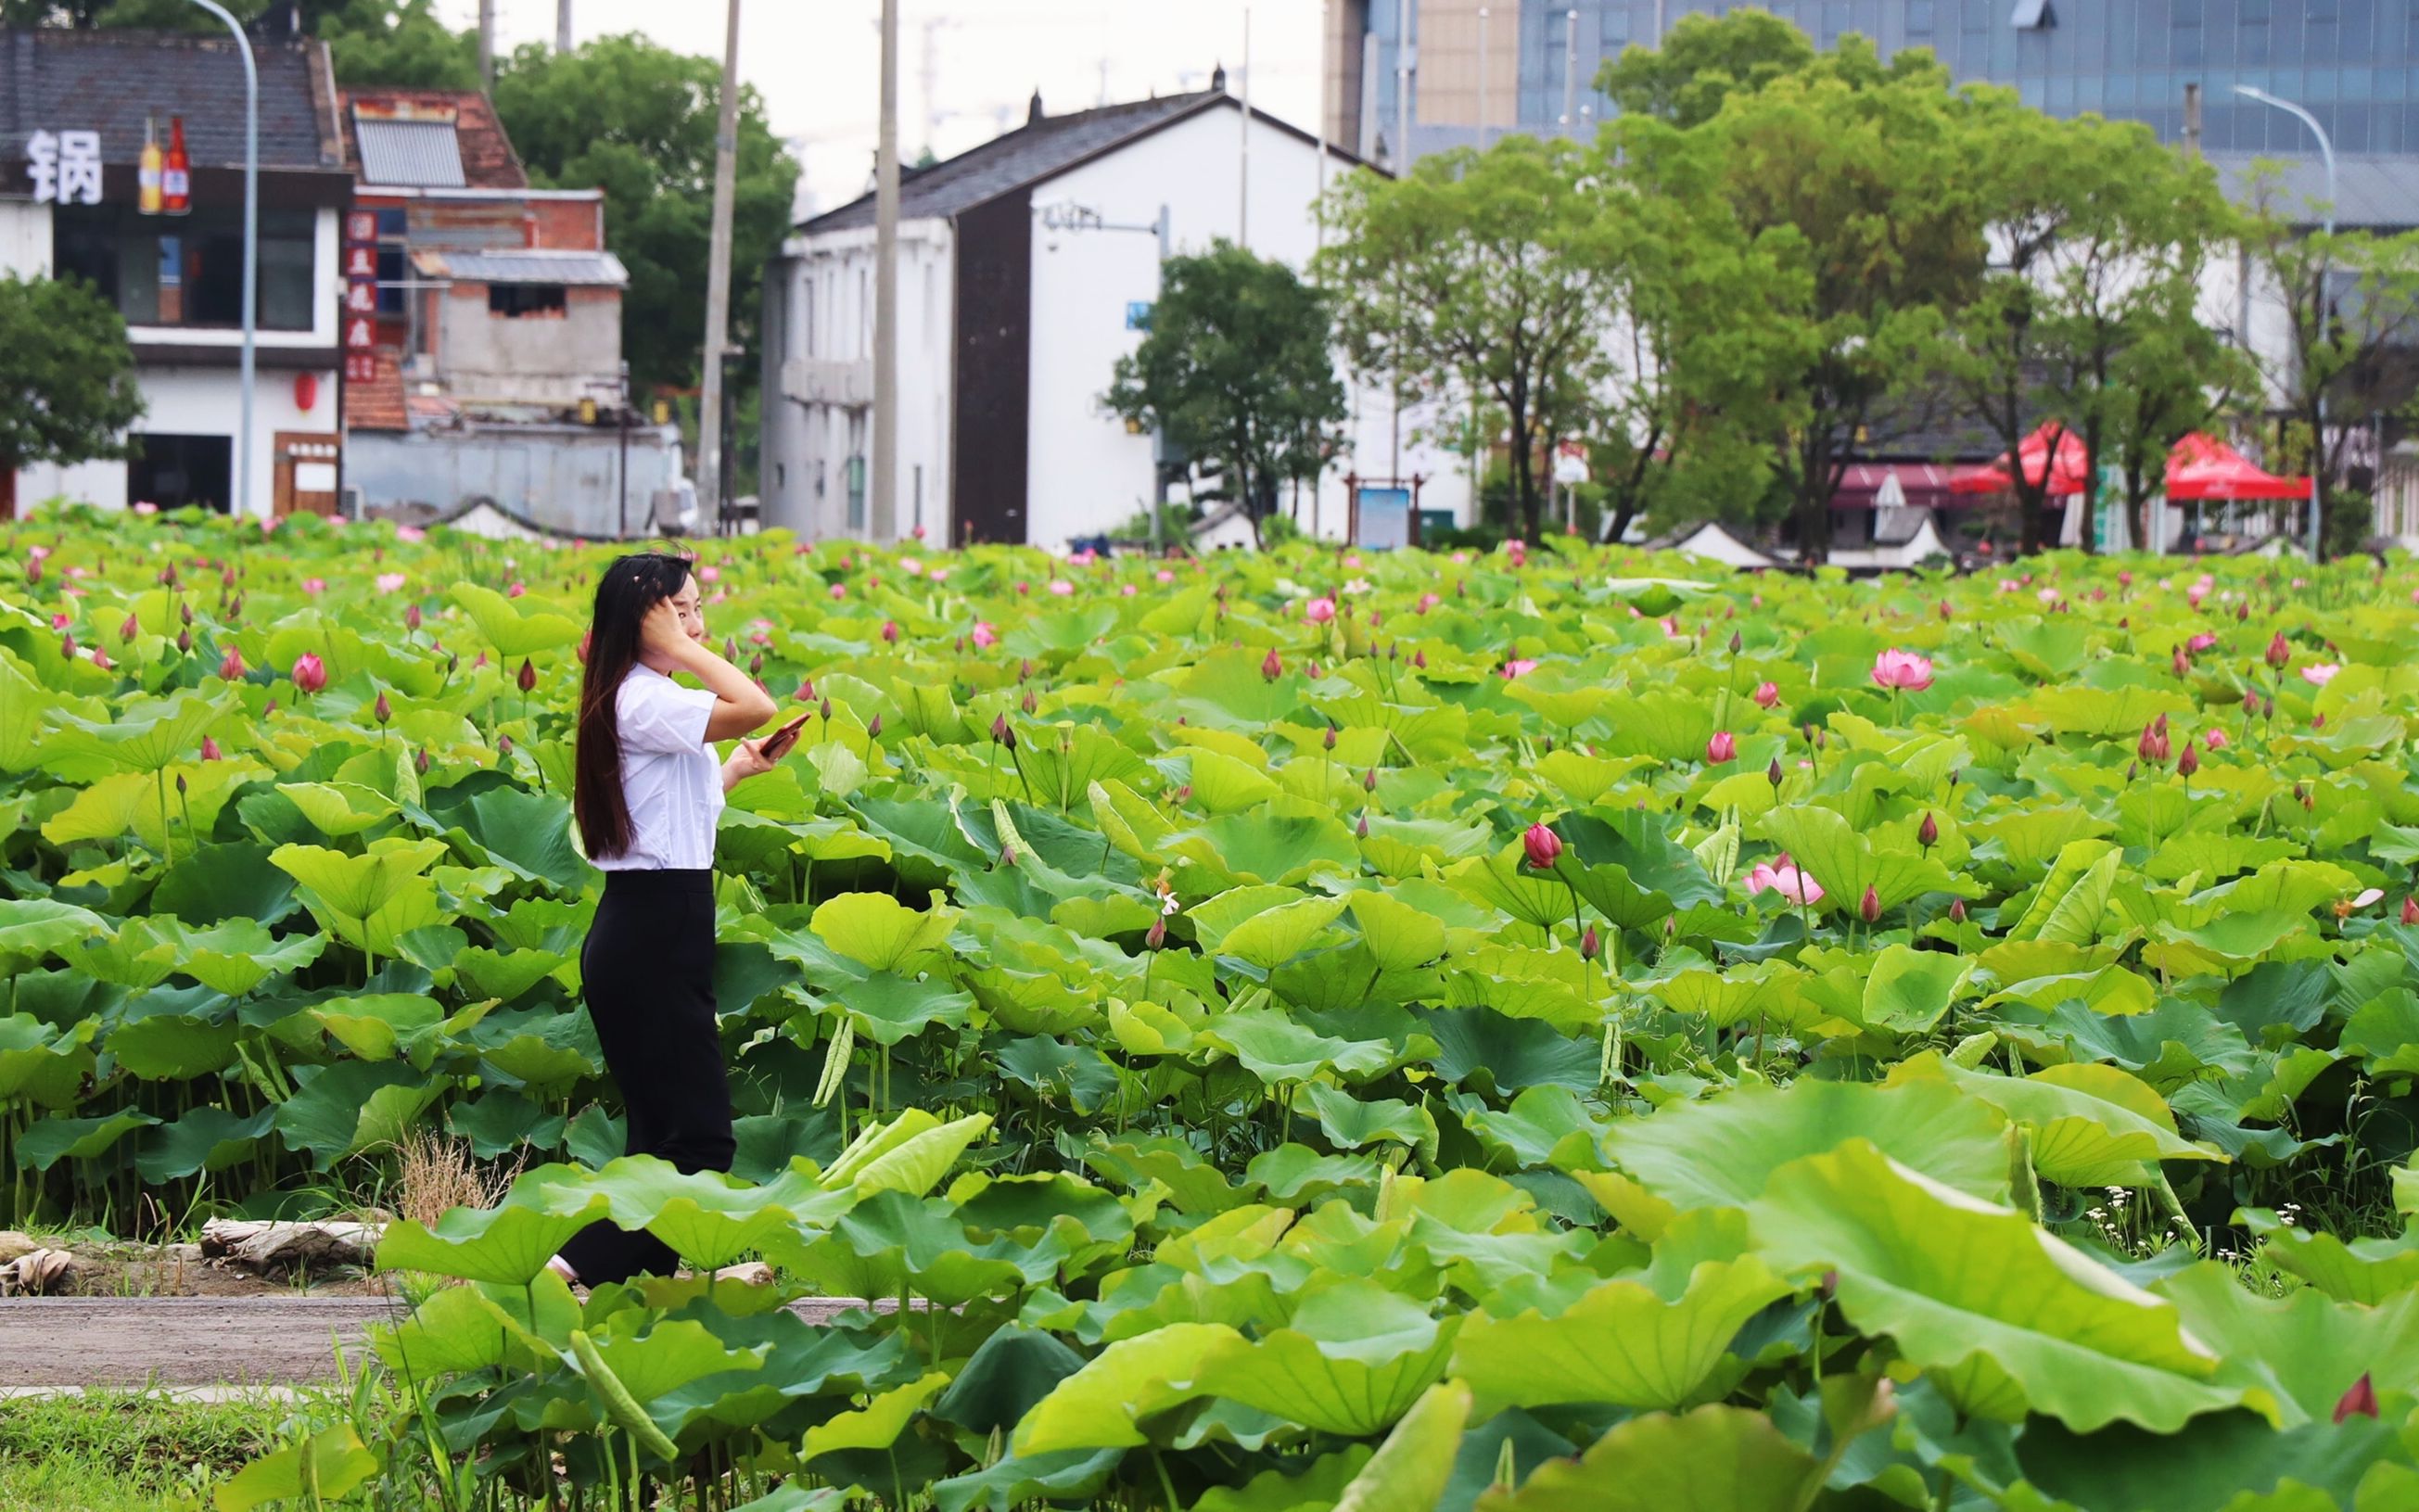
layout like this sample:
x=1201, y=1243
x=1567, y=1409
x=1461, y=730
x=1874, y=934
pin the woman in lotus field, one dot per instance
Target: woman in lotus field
x=647, y=793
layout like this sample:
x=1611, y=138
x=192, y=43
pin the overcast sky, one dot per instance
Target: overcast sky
x=816, y=62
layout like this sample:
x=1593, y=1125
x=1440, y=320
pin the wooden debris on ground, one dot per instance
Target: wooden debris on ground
x=279, y=1247
x=38, y=1272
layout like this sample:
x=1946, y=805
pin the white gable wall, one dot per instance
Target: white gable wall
x=1084, y=474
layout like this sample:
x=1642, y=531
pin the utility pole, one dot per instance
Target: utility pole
x=562, y=26
x=1326, y=96
x=1485, y=14
x=1571, y=73
x=883, y=521
x=1406, y=64
x=717, y=277
x=487, y=43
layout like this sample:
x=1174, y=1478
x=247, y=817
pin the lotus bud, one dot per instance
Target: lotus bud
x=1157, y=935
x=2241, y=613
x=185, y=643
x=503, y=745
x=1868, y=907
x=1721, y=749
x=1270, y=667
x=209, y=749
x=1183, y=795
x=1542, y=845
x=890, y=632
x=2360, y=1401
x=180, y=784
x=2317, y=722
x=420, y=760
x=310, y=674
x=478, y=661
x=1369, y=781
x=383, y=710
x=1735, y=643
x=1945, y=610
x=1007, y=856
x=2189, y=762
x=1029, y=703
x=411, y=616
x=1024, y=668
x=823, y=708
x=34, y=570
x=1766, y=694
x=1927, y=833
x=269, y=708
x=1310, y=670
x=131, y=629
x=755, y=664
x=1361, y=830
x=1957, y=911
x=1772, y=773
x=185, y=614
x=2308, y=803
x=1420, y=660
x=2410, y=910
x=2278, y=652
x=873, y=728
x=1590, y=944
x=1328, y=741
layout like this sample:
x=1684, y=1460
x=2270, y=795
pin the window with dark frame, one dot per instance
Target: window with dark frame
x=516, y=302
x=188, y=271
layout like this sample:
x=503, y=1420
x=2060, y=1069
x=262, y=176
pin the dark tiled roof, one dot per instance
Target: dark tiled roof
x=109, y=80
x=488, y=160
x=527, y=265
x=1035, y=151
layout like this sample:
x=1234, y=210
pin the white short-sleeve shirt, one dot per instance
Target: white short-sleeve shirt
x=670, y=777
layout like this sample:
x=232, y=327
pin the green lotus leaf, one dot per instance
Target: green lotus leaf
x=888, y=1008
x=1221, y=784
x=1101, y=1406
x=32, y=929
x=1352, y=1123
x=340, y=809
x=916, y=1163
x=44, y=1065
x=370, y=900
x=1977, y=1296
x=2371, y=1272
x=1284, y=841
x=1487, y=1050
x=875, y=930
x=48, y=1141
x=530, y=835
x=375, y=1025
x=205, y=1139
x=2225, y=1462
x=1012, y=1372
x=327, y=1466
x=2304, y=1349
x=1910, y=990
x=708, y=1218
x=1844, y=861
x=452, y=1331
x=149, y=734
x=1277, y=1048
x=1715, y=1458
x=354, y=1105
x=515, y=632
x=1272, y=936
x=507, y=1244
x=1410, y=1468
x=878, y=1424
x=157, y=1043
x=1399, y=937
x=2090, y=1125
x=1725, y=1152
x=1355, y=1359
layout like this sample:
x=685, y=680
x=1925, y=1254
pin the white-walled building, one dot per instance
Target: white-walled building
x=178, y=279
x=1025, y=266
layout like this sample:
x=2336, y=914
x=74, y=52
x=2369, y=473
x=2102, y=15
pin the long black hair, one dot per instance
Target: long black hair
x=631, y=586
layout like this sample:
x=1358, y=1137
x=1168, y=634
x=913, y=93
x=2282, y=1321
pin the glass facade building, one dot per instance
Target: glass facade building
x=2354, y=64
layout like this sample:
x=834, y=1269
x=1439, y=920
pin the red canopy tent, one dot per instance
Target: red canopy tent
x=2066, y=473
x=2203, y=468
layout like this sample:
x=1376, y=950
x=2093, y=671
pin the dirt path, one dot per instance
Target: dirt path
x=195, y=1341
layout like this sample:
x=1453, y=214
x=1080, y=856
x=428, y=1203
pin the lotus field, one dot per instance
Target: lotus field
x=1531, y=1031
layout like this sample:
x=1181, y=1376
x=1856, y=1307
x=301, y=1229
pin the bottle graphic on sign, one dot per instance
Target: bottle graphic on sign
x=176, y=174
x=148, y=176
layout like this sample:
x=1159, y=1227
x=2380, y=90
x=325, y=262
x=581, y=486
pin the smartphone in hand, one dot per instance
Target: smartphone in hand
x=778, y=744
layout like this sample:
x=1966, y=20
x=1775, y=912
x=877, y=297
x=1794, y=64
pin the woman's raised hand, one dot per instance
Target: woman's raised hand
x=660, y=632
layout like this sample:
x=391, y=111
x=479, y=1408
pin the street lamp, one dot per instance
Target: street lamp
x=1067, y=217
x=251, y=245
x=2326, y=152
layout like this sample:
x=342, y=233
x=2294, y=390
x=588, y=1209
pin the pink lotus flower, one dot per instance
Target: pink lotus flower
x=314, y=586
x=1427, y=602
x=912, y=566
x=1767, y=695
x=1127, y=591
x=1352, y=563
x=60, y=622
x=2200, y=642
x=1163, y=575
x=1459, y=558
x=144, y=506
x=2214, y=740
x=39, y=552
x=1722, y=748
x=2047, y=595
x=1902, y=670
x=1060, y=587
x=410, y=532
x=709, y=575
x=391, y=582
x=839, y=592
x=917, y=532
x=2319, y=674
x=209, y=749
x=1518, y=668
x=1319, y=611
x=231, y=665
x=310, y=674
x=516, y=590
x=940, y=574
x=1784, y=878
x=985, y=634
x=1541, y=846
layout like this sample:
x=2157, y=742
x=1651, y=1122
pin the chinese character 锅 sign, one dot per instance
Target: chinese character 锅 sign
x=65, y=167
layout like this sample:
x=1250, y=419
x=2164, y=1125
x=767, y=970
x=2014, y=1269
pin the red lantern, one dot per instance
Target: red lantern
x=306, y=390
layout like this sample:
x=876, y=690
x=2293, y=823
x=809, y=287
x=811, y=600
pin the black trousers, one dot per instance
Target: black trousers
x=648, y=970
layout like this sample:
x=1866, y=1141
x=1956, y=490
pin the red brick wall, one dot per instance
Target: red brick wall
x=569, y=225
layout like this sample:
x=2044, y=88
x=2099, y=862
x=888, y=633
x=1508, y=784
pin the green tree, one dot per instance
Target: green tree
x=67, y=374
x=2351, y=307
x=1704, y=60
x=1860, y=180
x=1479, y=278
x=1236, y=368
x=637, y=121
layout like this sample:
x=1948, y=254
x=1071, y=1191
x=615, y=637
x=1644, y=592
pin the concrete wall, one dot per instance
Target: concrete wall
x=819, y=350
x=530, y=359
x=194, y=401
x=24, y=239
x=560, y=477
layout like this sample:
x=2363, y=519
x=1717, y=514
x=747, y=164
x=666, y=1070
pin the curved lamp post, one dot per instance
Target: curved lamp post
x=251, y=245
x=2327, y=152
